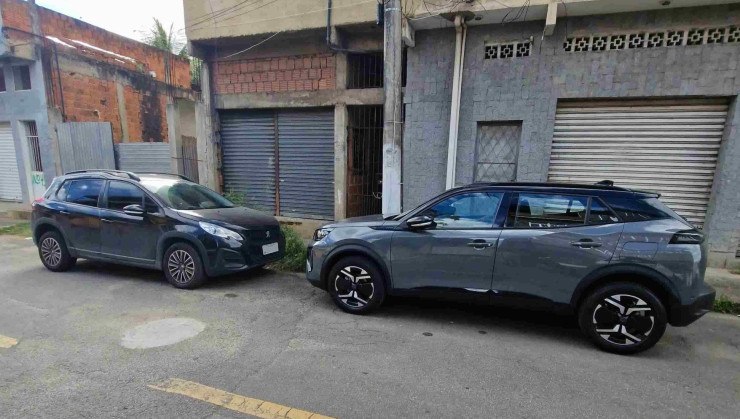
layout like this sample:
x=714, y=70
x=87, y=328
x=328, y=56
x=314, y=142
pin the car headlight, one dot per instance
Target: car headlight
x=221, y=232
x=321, y=233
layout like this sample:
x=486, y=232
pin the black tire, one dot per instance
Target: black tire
x=356, y=285
x=623, y=318
x=54, y=253
x=183, y=267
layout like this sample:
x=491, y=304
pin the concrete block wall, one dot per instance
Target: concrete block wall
x=294, y=73
x=528, y=89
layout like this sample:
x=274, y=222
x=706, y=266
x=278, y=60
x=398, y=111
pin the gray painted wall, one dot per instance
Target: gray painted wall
x=529, y=88
x=28, y=105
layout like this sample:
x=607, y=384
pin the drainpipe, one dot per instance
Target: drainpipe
x=461, y=31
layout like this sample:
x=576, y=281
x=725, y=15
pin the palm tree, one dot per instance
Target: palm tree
x=159, y=37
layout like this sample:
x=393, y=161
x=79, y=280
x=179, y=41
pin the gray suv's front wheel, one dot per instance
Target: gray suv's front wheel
x=356, y=285
x=623, y=318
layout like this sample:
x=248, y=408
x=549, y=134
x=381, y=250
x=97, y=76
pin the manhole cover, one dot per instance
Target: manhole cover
x=161, y=333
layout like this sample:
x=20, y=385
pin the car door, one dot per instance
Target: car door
x=457, y=253
x=129, y=237
x=79, y=215
x=550, y=243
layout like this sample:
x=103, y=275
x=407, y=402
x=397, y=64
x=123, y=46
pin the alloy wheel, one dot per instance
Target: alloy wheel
x=181, y=266
x=354, y=286
x=51, y=251
x=623, y=319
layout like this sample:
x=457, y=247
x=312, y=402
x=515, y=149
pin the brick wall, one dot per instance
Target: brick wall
x=282, y=74
x=527, y=89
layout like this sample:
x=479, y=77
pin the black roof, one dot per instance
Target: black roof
x=597, y=188
x=121, y=174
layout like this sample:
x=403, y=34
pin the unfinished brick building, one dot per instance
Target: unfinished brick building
x=58, y=70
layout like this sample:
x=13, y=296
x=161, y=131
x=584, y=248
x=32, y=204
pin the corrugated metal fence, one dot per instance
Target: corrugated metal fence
x=85, y=145
x=144, y=157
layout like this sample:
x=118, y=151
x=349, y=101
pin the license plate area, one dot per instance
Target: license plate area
x=269, y=248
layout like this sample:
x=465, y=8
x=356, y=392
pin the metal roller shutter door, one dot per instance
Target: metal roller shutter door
x=10, y=181
x=248, y=149
x=306, y=140
x=668, y=148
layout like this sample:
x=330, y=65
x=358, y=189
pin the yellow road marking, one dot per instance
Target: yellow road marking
x=7, y=342
x=235, y=402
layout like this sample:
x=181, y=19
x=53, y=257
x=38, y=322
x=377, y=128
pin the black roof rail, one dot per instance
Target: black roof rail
x=183, y=177
x=119, y=173
x=551, y=185
x=605, y=182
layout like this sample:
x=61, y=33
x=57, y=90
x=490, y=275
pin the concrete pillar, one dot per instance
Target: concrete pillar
x=340, y=161
x=174, y=137
x=205, y=134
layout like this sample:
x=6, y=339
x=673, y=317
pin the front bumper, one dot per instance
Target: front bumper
x=685, y=314
x=313, y=267
x=229, y=256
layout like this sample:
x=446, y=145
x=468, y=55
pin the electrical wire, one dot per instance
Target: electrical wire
x=213, y=14
x=253, y=46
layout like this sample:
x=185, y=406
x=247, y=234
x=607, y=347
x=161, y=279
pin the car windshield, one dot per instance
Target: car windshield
x=183, y=195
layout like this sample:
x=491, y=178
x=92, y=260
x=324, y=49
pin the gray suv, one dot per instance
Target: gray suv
x=621, y=260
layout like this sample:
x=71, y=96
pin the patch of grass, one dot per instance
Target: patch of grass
x=21, y=229
x=725, y=305
x=736, y=271
x=295, y=252
x=236, y=197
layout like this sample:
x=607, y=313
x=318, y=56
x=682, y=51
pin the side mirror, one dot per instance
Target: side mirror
x=135, y=210
x=421, y=222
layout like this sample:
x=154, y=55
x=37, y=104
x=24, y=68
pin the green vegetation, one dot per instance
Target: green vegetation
x=21, y=229
x=725, y=305
x=237, y=198
x=736, y=271
x=159, y=37
x=295, y=252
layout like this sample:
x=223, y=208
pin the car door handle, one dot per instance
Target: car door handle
x=585, y=244
x=105, y=220
x=64, y=212
x=481, y=244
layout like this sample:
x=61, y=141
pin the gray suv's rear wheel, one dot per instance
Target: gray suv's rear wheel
x=623, y=318
x=356, y=285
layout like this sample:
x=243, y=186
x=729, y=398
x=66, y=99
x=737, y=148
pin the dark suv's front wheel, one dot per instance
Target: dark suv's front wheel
x=356, y=285
x=623, y=318
x=182, y=266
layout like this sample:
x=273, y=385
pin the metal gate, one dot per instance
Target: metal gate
x=85, y=145
x=10, y=181
x=281, y=161
x=248, y=149
x=497, y=151
x=667, y=147
x=189, y=154
x=144, y=157
x=364, y=160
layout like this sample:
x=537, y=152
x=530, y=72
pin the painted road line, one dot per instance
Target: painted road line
x=235, y=402
x=7, y=342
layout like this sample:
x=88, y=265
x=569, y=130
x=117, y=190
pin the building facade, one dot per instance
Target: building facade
x=56, y=70
x=640, y=93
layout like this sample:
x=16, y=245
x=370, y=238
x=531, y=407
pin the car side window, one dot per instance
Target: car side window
x=600, y=214
x=470, y=210
x=123, y=194
x=549, y=211
x=81, y=191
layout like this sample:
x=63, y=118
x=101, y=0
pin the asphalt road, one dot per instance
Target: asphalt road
x=274, y=337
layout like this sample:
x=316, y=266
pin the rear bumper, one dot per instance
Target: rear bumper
x=685, y=314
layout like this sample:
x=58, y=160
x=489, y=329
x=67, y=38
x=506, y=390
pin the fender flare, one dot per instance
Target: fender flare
x=653, y=277
x=355, y=249
x=42, y=222
x=199, y=247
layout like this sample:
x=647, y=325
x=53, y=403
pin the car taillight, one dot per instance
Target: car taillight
x=687, y=237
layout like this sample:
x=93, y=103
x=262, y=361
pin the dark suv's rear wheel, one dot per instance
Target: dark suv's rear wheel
x=356, y=285
x=623, y=318
x=182, y=266
x=53, y=252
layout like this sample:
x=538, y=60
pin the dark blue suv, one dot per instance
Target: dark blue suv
x=156, y=221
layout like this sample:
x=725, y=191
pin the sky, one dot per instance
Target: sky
x=124, y=17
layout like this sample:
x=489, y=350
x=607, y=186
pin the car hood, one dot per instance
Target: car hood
x=366, y=221
x=236, y=216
